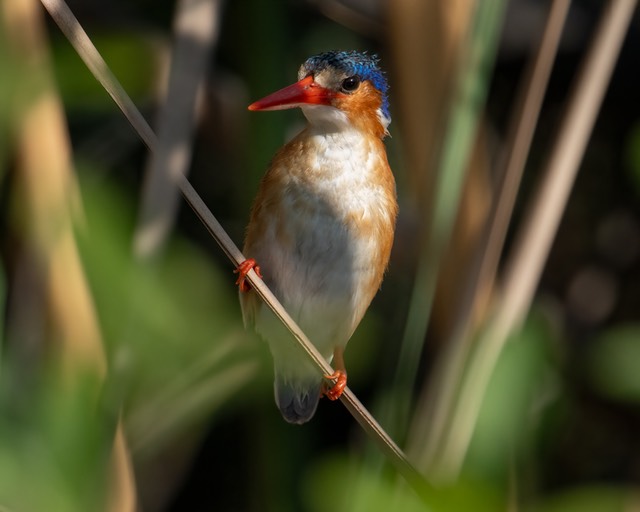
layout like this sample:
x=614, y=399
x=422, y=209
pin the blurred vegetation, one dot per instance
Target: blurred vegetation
x=558, y=425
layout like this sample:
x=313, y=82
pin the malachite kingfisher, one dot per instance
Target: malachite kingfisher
x=322, y=224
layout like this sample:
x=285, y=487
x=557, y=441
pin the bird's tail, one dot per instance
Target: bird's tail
x=297, y=400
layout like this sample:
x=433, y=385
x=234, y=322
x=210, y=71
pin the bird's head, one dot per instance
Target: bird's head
x=339, y=89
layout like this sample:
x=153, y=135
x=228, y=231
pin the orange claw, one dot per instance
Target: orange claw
x=242, y=271
x=333, y=393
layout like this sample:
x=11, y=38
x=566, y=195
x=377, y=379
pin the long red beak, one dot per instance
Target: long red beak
x=304, y=92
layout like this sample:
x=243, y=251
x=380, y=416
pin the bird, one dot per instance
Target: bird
x=322, y=223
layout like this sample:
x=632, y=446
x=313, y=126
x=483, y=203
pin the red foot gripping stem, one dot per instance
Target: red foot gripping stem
x=242, y=271
x=335, y=392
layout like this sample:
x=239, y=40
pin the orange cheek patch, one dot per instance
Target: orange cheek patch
x=361, y=107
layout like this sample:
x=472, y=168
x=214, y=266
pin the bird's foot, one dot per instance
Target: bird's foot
x=334, y=392
x=242, y=271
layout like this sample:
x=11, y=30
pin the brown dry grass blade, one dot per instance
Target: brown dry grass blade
x=533, y=241
x=47, y=188
x=196, y=29
x=444, y=385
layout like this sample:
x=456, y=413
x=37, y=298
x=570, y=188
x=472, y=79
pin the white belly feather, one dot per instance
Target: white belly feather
x=318, y=263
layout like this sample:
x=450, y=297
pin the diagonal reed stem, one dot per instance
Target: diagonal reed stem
x=79, y=39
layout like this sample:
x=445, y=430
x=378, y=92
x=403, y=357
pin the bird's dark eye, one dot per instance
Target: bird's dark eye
x=350, y=84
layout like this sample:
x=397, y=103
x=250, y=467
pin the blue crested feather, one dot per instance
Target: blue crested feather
x=354, y=63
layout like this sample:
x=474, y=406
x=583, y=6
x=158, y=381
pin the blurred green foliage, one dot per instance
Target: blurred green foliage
x=171, y=327
x=613, y=363
x=132, y=58
x=335, y=482
x=176, y=355
x=522, y=386
x=181, y=364
x=54, y=444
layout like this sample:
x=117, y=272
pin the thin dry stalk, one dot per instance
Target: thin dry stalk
x=523, y=126
x=122, y=496
x=89, y=54
x=196, y=33
x=444, y=385
x=47, y=189
x=534, y=240
x=426, y=39
x=461, y=129
x=523, y=269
